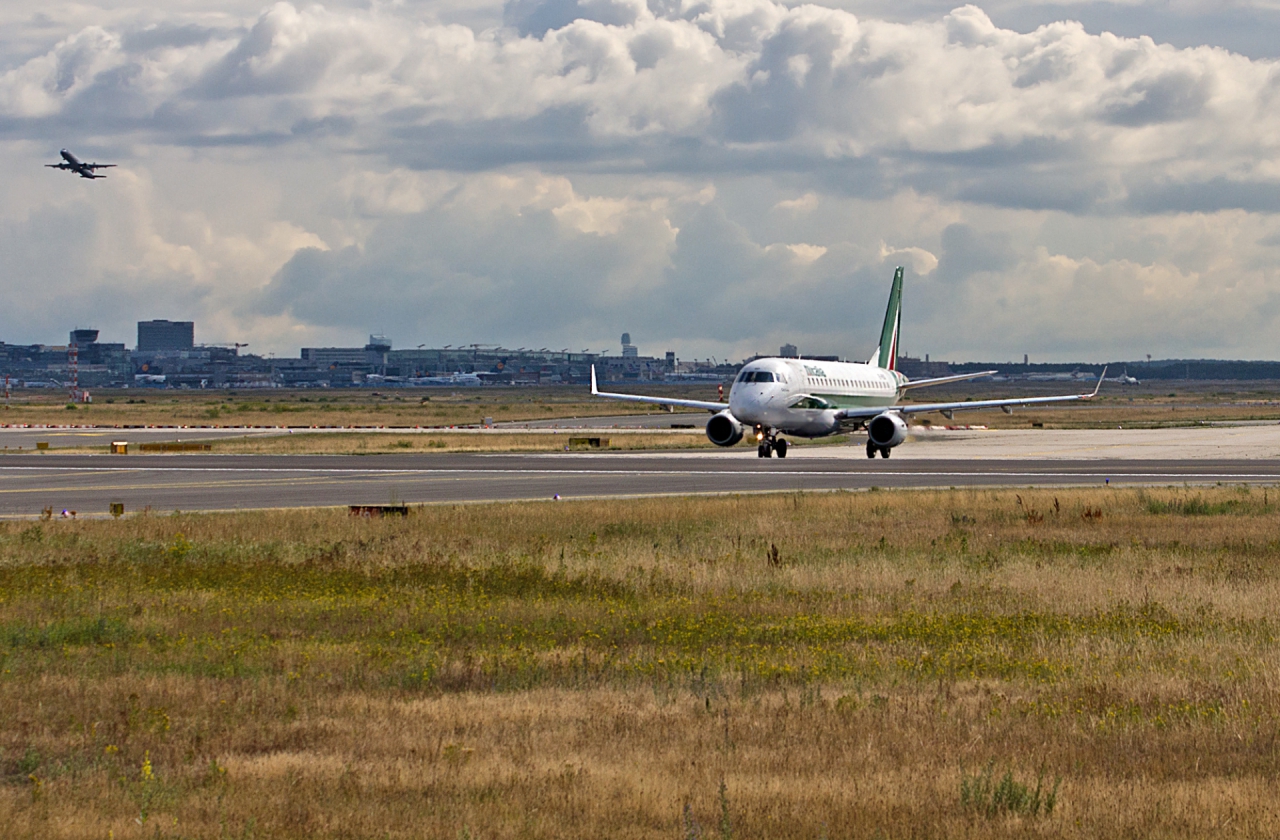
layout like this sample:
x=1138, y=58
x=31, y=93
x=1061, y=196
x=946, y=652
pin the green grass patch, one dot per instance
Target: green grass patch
x=991, y=797
x=68, y=632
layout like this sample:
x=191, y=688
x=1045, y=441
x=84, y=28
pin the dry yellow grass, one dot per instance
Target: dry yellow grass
x=375, y=443
x=346, y=407
x=383, y=442
x=649, y=668
x=1148, y=405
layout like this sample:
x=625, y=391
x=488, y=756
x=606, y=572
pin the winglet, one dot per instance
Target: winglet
x=594, y=390
x=1097, y=387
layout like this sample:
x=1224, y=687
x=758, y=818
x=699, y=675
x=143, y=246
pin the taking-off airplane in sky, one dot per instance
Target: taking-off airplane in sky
x=780, y=396
x=84, y=170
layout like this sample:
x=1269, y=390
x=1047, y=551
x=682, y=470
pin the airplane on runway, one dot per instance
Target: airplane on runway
x=781, y=396
x=84, y=170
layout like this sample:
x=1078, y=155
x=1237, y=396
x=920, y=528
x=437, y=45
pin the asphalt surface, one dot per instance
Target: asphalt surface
x=89, y=483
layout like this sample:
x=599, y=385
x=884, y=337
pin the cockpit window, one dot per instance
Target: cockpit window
x=755, y=376
x=810, y=402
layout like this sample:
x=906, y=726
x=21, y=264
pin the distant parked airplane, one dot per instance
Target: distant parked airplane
x=451, y=379
x=84, y=170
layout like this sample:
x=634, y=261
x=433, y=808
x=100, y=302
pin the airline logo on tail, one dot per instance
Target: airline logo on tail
x=887, y=355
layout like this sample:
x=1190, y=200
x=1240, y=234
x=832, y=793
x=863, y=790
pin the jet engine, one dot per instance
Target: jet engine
x=723, y=429
x=885, y=430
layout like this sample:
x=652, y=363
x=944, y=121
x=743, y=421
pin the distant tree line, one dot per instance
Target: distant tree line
x=1156, y=369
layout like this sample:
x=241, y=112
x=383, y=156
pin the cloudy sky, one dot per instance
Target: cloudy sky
x=1072, y=180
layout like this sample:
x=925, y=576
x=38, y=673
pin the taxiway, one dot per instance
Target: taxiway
x=88, y=484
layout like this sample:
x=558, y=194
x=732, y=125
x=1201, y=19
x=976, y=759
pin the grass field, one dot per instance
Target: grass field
x=382, y=443
x=1076, y=663
x=1146, y=406
x=340, y=407
x=356, y=443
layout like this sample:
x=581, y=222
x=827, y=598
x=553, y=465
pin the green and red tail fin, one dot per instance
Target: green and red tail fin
x=887, y=354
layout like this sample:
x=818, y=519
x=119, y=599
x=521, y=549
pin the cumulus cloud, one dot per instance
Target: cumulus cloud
x=954, y=105
x=580, y=167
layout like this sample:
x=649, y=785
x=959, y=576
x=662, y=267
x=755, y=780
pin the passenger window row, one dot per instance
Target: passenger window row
x=768, y=376
x=845, y=383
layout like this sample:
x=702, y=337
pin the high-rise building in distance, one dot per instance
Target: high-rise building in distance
x=166, y=335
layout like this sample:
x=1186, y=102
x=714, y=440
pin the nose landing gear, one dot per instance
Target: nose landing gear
x=771, y=444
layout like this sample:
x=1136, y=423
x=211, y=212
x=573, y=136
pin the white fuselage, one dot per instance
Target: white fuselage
x=801, y=398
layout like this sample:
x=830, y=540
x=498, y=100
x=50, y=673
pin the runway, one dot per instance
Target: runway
x=88, y=484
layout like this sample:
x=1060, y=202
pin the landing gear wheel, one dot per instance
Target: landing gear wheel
x=871, y=449
x=764, y=451
x=884, y=452
x=781, y=447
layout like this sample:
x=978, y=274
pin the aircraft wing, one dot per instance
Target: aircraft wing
x=942, y=380
x=852, y=415
x=99, y=165
x=58, y=165
x=705, y=406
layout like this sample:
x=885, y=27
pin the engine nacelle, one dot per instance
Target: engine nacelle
x=723, y=429
x=887, y=430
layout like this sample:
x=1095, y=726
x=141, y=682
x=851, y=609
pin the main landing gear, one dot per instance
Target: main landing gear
x=872, y=449
x=770, y=445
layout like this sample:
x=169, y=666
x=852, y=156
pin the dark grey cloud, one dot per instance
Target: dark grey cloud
x=555, y=136
x=169, y=36
x=1017, y=188
x=965, y=252
x=1260, y=196
x=1037, y=173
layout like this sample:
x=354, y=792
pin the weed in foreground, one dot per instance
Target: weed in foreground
x=983, y=794
x=1238, y=502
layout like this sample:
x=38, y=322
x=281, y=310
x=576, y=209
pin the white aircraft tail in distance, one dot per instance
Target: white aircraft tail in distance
x=775, y=396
